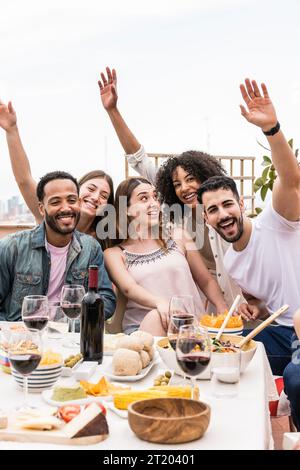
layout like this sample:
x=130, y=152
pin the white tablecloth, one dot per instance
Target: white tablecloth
x=239, y=423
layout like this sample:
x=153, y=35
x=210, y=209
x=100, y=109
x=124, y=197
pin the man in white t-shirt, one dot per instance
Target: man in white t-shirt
x=264, y=258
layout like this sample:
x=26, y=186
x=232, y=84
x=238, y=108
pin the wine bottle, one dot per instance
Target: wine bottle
x=92, y=320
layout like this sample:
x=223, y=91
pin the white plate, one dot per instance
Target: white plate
x=108, y=371
x=47, y=394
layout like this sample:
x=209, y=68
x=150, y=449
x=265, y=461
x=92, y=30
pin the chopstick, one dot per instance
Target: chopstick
x=263, y=325
x=231, y=310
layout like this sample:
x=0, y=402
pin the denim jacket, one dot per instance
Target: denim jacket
x=25, y=269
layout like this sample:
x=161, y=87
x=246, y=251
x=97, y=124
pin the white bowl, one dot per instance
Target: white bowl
x=42, y=378
x=168, y=355
x=227, y=331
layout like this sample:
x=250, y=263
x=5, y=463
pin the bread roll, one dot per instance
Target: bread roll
x=146, y=338
x=126, y=362
x=145, y=358
x=130, y=342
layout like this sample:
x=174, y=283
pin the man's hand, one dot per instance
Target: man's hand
x=8, y=117
x=108, y=89
x=248, y=311
x=261, y=111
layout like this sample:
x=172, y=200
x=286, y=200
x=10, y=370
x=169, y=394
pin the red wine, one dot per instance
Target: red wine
x=25, y=363
x=92, y=321
x=37, y=323
x=193, y=365
x=182, y=319
x=71, y=310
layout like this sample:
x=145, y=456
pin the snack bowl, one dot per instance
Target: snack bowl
x=42, y=378
x=168, y=355
x=169, y=420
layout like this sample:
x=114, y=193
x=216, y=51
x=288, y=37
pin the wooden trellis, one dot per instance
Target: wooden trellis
x=241, y=169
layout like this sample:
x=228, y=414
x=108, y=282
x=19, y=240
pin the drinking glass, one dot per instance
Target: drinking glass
x=25, y=353
x=225, y=374
x=181, y=312
x=35, y=313
x=71, y=304
x=58, y=322
x=193, y=352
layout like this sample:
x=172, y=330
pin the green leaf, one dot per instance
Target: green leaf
x=258, y=210
x=296, y=153
x=270, y=184
x=265, y=174
x=291, y=143
x=272, y=175
x=267, y=160
x=264, y=191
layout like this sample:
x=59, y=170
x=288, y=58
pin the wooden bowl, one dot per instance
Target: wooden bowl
x=169, y=420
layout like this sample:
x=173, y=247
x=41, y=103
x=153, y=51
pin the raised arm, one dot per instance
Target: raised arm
x=109, y=98
x=135, y=153
x=19, y=161
x=261, y=112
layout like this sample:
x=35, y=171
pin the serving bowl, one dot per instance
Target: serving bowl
x=40, y=379
x=169, y=420
x=168, y=355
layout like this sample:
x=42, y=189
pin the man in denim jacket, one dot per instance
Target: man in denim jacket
x=25, y=257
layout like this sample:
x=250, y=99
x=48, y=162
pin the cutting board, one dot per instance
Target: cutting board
x=12, y=433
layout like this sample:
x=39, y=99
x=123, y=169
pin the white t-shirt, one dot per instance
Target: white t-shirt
x=57, y=272
x=269, y=267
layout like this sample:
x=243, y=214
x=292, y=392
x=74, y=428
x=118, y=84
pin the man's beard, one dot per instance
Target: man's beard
x=240, y=229
x=51, y=221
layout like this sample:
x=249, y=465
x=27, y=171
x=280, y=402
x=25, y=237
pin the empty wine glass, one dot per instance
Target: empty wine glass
x=25, y=353
x=35, y=313
x=193, y=352
x=71, y=304
x=58, y=321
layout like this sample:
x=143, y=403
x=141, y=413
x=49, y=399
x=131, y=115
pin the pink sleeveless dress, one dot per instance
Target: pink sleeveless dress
x=164, y=274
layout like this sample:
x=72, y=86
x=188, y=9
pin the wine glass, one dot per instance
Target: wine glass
x=58, y=321
x=71, y=303
x=193, y=352
x=181, y=312
x=25, y=353
x=35, y=313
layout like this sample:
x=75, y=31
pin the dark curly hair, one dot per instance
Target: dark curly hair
x=199, y=164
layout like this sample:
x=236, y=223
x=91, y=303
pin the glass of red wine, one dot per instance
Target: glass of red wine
x=71, y=304
x=35, y=312
x=181, y=312
x=25, y=354
x=193, y=352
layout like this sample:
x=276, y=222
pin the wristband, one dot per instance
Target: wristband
x=274, y=130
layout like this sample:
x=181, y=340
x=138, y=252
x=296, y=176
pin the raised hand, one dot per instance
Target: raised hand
x=8, y=117
x=261, y=111
x=108, y=89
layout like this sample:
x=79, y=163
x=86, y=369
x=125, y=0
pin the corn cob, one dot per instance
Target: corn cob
x=124, y=398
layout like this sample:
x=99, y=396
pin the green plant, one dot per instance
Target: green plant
x=266, y=181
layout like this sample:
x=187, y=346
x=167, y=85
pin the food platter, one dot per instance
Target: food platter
x=108, y=371
x=47, y=394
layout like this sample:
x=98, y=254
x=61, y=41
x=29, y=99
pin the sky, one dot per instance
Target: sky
x=179, y=65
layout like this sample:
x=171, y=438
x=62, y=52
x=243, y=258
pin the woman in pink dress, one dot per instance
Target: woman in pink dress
x=148, y=267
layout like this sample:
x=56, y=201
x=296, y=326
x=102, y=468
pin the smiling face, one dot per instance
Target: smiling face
x=60, y=206
x=224, y=213
x=144, y=206
x=186, y=186
x=93, y=194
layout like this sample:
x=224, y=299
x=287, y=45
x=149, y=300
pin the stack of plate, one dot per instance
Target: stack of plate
x=40, y=379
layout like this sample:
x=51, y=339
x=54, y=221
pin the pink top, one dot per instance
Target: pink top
x=163, y=273
x=58, y=257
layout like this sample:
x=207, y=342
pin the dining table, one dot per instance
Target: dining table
x=241, y=422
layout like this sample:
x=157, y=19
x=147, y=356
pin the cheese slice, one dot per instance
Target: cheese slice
x=90, y=422
x=42, y=423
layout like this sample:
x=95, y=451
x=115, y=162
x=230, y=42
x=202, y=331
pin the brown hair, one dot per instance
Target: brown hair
x=126, y=189
x=111, y=200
